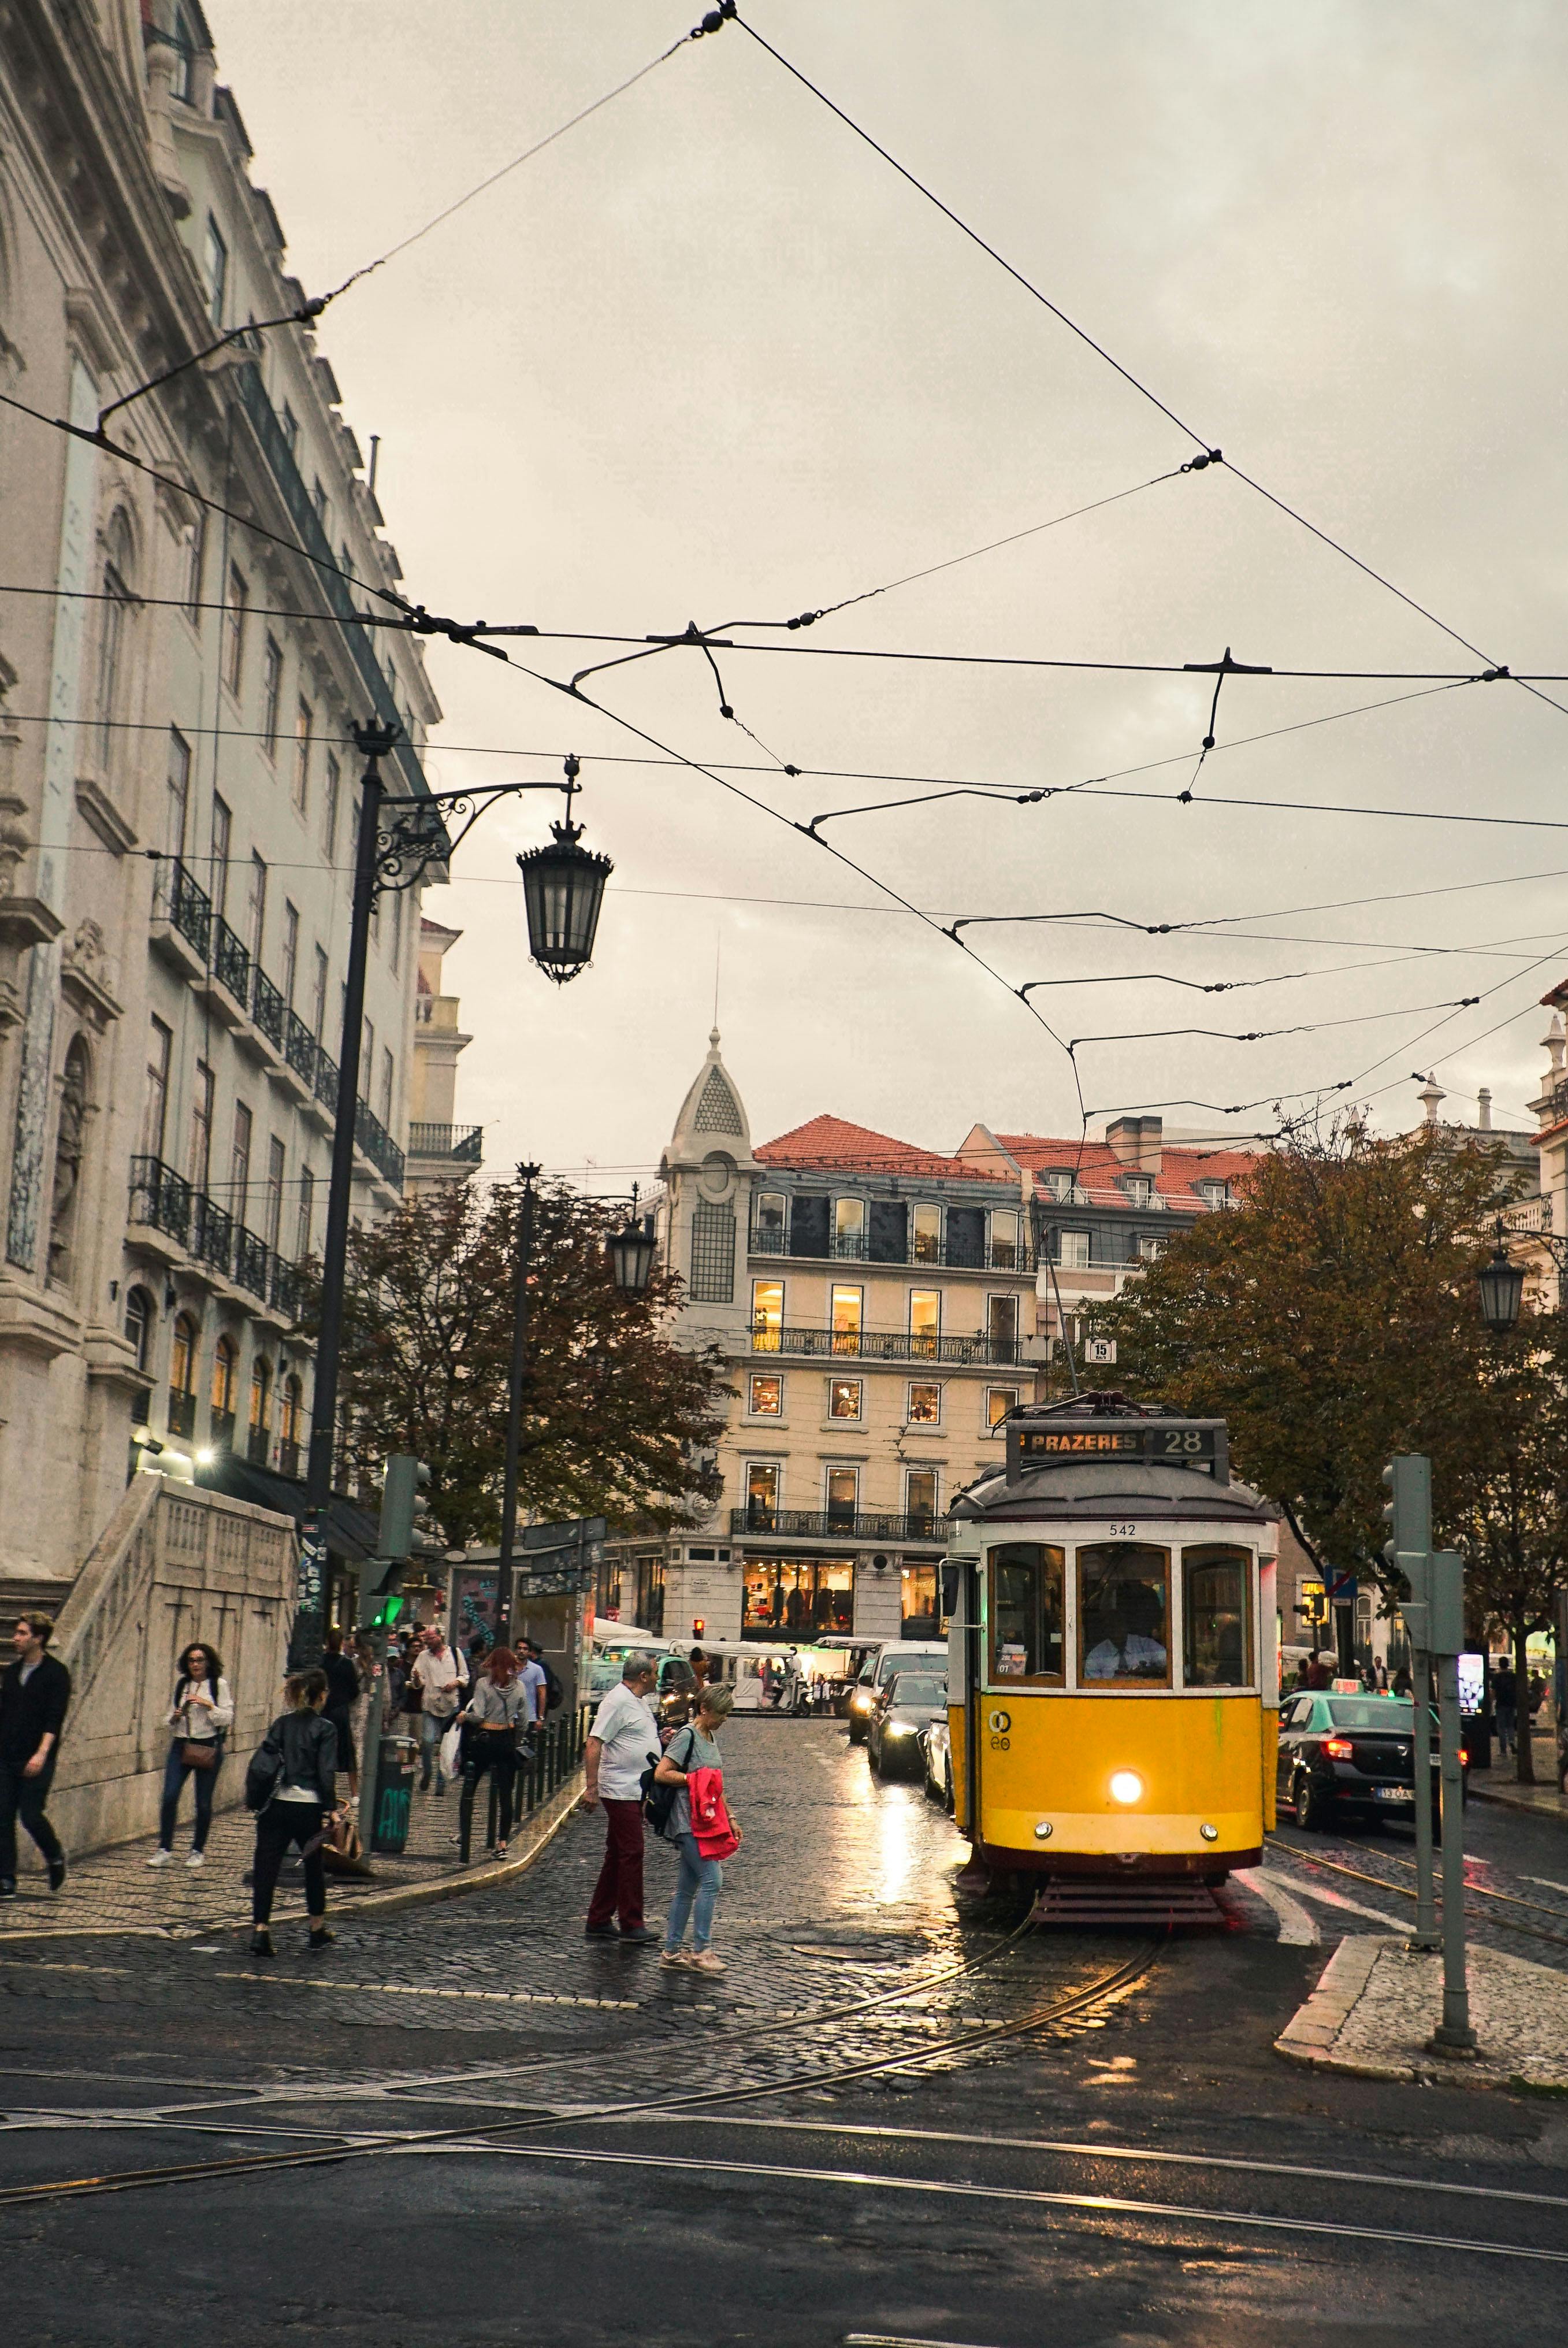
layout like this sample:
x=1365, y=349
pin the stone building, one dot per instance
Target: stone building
x=439, y=1149
x=178, y=786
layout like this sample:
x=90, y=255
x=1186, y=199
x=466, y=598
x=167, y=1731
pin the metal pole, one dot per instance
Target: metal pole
x=1455, y=2030
x=305, y=1643
x=1061, y=1324
x=527, y=1175
x=369, y=1757
x=1425, y=1935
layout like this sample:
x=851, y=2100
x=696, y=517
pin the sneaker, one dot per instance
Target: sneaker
x=160, y=1858
x=703, y=1961
x=196, y=1859
x=56, y=1873
x=261, y=1942
x=639, y=1935
x=598, y=1931
x=675, y=1961
x=319, y=1939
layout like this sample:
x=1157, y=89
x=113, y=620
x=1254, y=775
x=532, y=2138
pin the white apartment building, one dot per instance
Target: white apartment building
x=177, y=786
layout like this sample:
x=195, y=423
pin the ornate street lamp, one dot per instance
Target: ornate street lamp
x=631, y=1251
x=563, y=888
x=1501, y=1285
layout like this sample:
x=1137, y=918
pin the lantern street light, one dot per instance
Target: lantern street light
x=631, y=1251
x=1501, y=1285
x=398, y=842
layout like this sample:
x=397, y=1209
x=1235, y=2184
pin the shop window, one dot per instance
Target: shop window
x=764, y=1398
x=927, y=1233
x=1026, y=1595
x=842, y=1498
x=925, y=1404
x=844, y=1397
x=767, y=1315
x=797, y=1599
x=1000, y=1400
x=762, y=1495
x=1123, y=1615
x=925, y=1322
x=920, y=1498
x=918, y=1585
x=847, y=1303
x=1217, y=1618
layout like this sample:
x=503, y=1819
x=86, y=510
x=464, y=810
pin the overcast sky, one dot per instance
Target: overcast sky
x=708, y=357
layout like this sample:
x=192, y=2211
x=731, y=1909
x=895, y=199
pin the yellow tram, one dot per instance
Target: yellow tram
x=1112, y=1670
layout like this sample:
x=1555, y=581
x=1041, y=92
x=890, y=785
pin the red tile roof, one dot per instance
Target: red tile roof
x=1180, y=1166
x=830, y=1145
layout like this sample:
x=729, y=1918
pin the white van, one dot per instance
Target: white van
x=894, y=1655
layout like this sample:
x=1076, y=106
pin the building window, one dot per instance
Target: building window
x=925, y=1322
x=272, y=693
x=768, y=1224
x=260, y=1408
x=1004, y=1239
x=319, y=499
x=394, y=953
x=366, y=1059
x=240, y=1164
x=1002, y=1327
x=387, y=1076
x=195, y=564
x=1214, y=1194
x=927, y=1233
x=764, y=1398
x=178, y=792
x=712, y=1252
x=222, y=839
x=305, y=727
x=155, y=1106
x=225, y=1364
x=1060, y=1183
x=139, y=1311
x=1072, y=1250
x=276, y=1160
x=201, y=1160
x=1123, y=1611
x=920, y=1498
x=1026, y=1612
x=762, y=1495
x=292, y=1421
x=845, y=1315
x=1150, y=1249
x=236, y=600
x=256, y=908
x=796, y=1599
x=307, y=1215
x=291, y=970
x=849, y=1226
x=844, y=1397
x=182, y=1376
x=215, y=265
x=1138, y=1187
x=767, y=1315
x=1000, y=1400
x=843, y=1489
x=920, y=1619
x=290, y=424
x=925, y=1404
x=319, y=997
x=330, y=797
x=1216, y=1619
x=114, y=622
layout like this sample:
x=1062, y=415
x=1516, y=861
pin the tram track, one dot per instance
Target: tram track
x=1409, y=1891
x=904, y=2058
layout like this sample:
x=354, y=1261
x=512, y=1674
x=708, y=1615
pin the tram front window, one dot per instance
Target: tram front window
x=1123, y=1614
x=1026, y=1612
x=1216, y=1624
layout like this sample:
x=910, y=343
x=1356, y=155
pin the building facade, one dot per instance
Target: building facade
x=439, y=1149
x=880, y=1308
x=177, y=784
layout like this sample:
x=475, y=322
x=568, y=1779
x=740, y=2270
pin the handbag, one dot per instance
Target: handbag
x=198, y=1753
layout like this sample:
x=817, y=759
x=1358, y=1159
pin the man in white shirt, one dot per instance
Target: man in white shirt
x=624, y=1742
x=531, y=1673
x=442, y=1676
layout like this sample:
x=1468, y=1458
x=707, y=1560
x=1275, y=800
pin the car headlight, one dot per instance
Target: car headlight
x=897, y=1729
x=860, y=1702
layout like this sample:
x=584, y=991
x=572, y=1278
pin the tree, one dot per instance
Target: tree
x=1331, y=1320
x=615, y=1416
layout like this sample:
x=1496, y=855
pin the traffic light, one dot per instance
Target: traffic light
x=403, y=1504
x=1408, y=1510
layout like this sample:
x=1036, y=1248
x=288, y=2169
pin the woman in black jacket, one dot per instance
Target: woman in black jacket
x=299, y=1754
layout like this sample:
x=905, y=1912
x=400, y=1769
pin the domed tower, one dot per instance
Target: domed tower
x=708, y=1172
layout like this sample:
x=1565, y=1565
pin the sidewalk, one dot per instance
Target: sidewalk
x=1378, y=2003
x=1499, y=1783
x=116, y=1891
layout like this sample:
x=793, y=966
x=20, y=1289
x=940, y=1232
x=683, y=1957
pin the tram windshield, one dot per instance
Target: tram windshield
x=1217, y=1626
x=1123, y=1614
x=1026, y=1612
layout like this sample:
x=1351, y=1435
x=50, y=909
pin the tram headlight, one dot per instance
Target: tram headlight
x=1126, y=1785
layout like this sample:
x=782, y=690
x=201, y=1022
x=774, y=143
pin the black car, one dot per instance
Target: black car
x=1342, y=1754
x=907, y=1705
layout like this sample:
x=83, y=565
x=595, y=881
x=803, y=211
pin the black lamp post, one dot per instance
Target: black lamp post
x=1501, y=1285
x=399, y=840
x=631, y=1251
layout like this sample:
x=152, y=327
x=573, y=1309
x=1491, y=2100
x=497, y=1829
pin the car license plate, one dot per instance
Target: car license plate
x=1395, y=1793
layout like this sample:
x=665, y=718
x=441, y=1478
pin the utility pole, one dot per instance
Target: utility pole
x=1408, y=1514
x=527, y=1175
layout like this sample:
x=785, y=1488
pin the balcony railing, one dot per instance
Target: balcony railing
x=887, y=1345
x=161, y=1197
x=252, y=1261
x=283, y=1287
x=181, y=1412
x=858, y=1247
x=267, y=1006
x=231, y=961
x=837, y=1524
x=189, y=909
x=464, y=1142
x=222, y=1425
x=326, y=1078
x=257, y=1443
x=291, y=1457
x=299, y=1048
x=212, y=1233
x=378, y=1144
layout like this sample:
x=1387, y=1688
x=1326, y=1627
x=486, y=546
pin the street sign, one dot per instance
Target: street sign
x=1099, y=1350
x=1343, y=1588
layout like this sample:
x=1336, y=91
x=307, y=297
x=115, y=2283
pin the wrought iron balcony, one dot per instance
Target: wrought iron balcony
x=378, y=1144
x=181, y=1412
x=299, y=1048
x=189, y=909
x=326, y=1078
x=290, y=1457
x=221, y=1423
x=887, y=1345
x=161, y=1197
x=231, y=962
x=283, y=1287
x=252, y=1261
x=463, y=1142
x=837, y=1524
x=267, y=1006
x=211, y=1233
x=257, y=1443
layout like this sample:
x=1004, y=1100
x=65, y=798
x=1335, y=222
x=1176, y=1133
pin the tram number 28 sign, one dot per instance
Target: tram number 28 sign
x=1177, y=1446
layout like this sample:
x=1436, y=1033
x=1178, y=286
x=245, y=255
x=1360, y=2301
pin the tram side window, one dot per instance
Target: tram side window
x=1026, y=1612
x=1217, y=1620
x=1123, y=1614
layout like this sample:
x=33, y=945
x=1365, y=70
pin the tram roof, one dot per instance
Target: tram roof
x=1092, y=1490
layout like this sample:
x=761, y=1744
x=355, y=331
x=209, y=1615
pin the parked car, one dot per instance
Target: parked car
x=893, y=1655
x=936, y=1758
x=903, y=1708
x=1344, y=1754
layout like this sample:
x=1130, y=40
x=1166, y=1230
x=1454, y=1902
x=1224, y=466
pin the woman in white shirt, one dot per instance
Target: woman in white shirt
x=200, y=1716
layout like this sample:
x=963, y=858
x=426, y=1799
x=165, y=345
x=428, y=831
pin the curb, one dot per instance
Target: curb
x=1309, y=2038
x=1501, y=1801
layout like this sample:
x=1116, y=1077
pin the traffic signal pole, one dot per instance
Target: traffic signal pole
x=1454, y=2031
x=1425, y=1935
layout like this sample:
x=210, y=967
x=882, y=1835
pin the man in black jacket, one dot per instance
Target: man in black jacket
x=34, y=1694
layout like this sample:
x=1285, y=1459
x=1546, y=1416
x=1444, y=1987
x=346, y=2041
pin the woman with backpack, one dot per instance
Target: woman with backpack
x=200, y=1716
x=292, y=1786
x=700, y=1829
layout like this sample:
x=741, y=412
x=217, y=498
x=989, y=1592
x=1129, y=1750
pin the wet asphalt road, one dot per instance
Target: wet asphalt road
x=810, y=2205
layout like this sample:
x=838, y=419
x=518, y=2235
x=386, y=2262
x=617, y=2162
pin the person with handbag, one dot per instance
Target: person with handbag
x=493, y=1718
x=201, y=1716
x=701, y=1827
x=292, y=1786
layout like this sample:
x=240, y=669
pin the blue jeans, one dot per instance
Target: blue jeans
x=174, y=1776
x=696, y=1893
x=433, y=1727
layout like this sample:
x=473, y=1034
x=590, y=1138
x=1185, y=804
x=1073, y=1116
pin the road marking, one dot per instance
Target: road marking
x=897, y=2339
x=1545, y=1883
x=1337, y=1899
x=415, y=1989
x=39, y=1965
x=1297, y=1928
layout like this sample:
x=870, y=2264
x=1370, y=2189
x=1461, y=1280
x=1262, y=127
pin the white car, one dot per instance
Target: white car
x=937, y=1752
